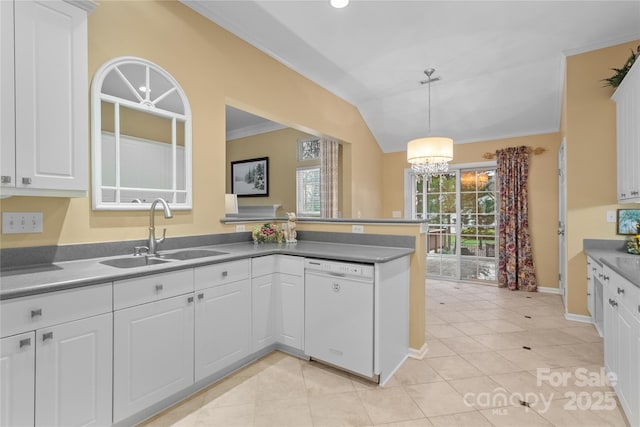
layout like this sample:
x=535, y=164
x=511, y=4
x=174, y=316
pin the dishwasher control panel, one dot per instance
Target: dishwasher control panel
x=339, y=268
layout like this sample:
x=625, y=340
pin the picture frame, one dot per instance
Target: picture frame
x=627, y=221
x=250, y=178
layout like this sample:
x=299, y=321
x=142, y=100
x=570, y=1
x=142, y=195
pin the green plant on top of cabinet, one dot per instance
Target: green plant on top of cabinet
x=44, y=114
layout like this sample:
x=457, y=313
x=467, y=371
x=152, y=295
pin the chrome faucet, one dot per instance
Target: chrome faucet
x=153, y=242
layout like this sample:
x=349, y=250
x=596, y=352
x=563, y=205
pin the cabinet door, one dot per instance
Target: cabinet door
x=628, y=363
x=73, y=373
x=223, y=327
x=610, y=329
x=17, y=379
x=153, y=353
x=51, y=96
x=263, y=311
x=290, y=311
x=590, y=288
x=7, y=96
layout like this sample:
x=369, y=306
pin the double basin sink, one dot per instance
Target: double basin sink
x=141, y=261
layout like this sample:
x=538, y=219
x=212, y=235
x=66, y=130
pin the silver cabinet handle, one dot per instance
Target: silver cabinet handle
x=190, y=299
x=606, y=278
x=159, y=287
x=600, y=275
x=225, y=274
x=6, y=179
x=25, y=342
x=201, y=296
x=26, y=180
x=620, y=291
x=47, y=336
x=37, y=312
x=588, y=294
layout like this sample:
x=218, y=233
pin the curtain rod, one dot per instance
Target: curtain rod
x=536, y=151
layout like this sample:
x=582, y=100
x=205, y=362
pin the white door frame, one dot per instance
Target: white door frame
x=562, y=220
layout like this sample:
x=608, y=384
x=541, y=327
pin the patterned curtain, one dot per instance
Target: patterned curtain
x=328, y=178
x=515, y=259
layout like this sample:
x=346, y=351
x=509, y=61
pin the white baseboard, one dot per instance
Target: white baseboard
x=419, y=354
x=578, y=318
x=546, y=290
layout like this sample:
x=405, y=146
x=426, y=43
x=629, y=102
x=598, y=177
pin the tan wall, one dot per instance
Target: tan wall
x=543, y=193
x=214, y=68
x=281, y=148
x=589, y=123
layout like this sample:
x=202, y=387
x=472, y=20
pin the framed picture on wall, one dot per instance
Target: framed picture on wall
x=627, y=221
x=250, y=178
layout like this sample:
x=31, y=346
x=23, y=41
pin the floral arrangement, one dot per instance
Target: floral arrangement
x=620, y=73
x=267, y=233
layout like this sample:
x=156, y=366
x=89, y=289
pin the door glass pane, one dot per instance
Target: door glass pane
x=461, y=208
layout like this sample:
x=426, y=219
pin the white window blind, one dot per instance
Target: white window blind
x=308, y=191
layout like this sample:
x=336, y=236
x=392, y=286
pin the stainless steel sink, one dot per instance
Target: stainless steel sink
x=192, y=254
x=131, y=262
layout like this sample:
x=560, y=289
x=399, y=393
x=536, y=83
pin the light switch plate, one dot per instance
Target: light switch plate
x=611, y=216
x=21, y=222
x=239, y=228
x=396, y=214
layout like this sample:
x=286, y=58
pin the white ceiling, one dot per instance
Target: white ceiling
x=500, y=62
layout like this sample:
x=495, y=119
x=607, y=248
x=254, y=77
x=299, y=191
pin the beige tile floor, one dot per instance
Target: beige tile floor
x=476, y=373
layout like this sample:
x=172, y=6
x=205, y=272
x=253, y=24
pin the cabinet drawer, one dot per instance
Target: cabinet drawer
x=217, y=274
x=261, y=266
x=130, y=292
x=293, y=265
x=40, y=311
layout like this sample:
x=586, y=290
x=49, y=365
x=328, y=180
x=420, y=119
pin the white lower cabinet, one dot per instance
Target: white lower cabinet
x=17, y=380
x=55, y=368
x=153, y=353
x=263, y=290
x=73, y=373
x=277, y=287
x=222, y=326
x=622, y=341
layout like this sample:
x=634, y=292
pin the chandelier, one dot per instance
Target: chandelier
x=430, y=155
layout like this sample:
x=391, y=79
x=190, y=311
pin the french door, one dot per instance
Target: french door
x=461, y=207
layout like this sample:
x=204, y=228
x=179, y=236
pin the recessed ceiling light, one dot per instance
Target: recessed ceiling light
x=339, y=4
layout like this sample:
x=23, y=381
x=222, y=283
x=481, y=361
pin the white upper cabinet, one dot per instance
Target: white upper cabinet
x=627, y=98
x=44, y=112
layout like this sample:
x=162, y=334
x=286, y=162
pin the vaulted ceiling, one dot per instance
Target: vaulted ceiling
x=500, y=62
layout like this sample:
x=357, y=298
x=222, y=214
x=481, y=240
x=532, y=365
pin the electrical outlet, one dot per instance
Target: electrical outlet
x=611, y=216
x=357, y=228
x=396, y=214
x=239, y=228
x=21, y=222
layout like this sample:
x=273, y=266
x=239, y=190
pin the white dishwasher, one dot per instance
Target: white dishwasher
x=339, y=314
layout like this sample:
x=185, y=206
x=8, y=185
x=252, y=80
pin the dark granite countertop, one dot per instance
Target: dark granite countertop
x=28, y=280
x=612, y=254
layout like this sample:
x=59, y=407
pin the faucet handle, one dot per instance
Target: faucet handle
x=139, y=250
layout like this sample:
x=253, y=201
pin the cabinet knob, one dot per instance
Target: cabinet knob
x=588, y=294
x=190, y=299
x=26, y=180
x=200, y=296
x=159, y=287
x=5, y=179
x=600, y=275
x=606, y=278
x=225, y=274
x=27, y=341
x=620, y=291
x=47, y=336
x=37, y=312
